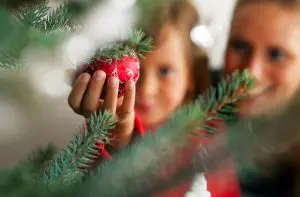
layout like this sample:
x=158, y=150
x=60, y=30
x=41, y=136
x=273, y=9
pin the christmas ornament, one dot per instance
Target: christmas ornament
x=126, y=68
x=121, y=60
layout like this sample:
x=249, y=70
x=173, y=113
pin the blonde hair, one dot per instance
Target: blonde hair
x=184, y=17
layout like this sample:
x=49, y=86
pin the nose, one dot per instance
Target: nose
x=255, y=66
x=147, y=86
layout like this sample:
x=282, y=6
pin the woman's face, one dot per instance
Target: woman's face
x=164, y=80
x=265, y=38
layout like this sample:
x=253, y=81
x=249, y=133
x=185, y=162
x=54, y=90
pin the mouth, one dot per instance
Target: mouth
x=144, y=107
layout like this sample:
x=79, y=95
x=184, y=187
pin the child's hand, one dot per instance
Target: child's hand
x=84, y=99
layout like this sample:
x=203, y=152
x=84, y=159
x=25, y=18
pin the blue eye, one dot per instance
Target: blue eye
x=164, y=71
x=275, y=54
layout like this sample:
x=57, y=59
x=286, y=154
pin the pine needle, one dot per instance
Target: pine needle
x=40, y=17
x=137, y=44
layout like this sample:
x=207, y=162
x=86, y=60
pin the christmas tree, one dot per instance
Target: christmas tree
x=49, y=172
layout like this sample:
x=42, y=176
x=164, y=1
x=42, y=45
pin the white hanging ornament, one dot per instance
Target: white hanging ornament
x=199, y=187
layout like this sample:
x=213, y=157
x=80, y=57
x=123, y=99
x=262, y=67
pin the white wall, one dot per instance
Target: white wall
x=216, y=14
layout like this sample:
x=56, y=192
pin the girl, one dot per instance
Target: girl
x=265, y=38
x=176, y=71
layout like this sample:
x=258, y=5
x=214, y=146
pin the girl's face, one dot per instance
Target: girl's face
x=265, y=38
x=164, y=80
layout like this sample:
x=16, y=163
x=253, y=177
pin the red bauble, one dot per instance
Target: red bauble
x=125, y=68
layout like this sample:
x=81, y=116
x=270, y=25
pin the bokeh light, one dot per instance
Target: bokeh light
x=77, y=49
x=201, y=36
x=53, y=83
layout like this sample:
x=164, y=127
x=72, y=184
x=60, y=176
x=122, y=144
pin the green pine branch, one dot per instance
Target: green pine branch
x=218, y=103
x=73, y=161
x=33, y=15
x=137, y=44
x=45, y=174
x=9, y=60
x=22, y=30
x=41, y=17
x=59, y=19
x=31, y=24
x=140, y=43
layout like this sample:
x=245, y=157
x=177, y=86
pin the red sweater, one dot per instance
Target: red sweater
x=221, y=183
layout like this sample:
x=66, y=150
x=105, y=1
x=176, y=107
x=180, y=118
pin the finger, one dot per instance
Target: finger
x=127, y=107
x=70, y=76
x=92, y=95
x=111, y=97
x=120, y=101
x=77, y=92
